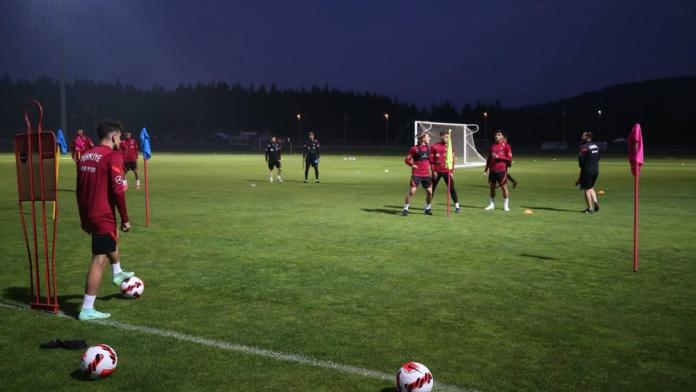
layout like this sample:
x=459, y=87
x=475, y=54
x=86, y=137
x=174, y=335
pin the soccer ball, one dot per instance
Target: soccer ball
x=414, y=377
x=98, y=361
x=132, y=287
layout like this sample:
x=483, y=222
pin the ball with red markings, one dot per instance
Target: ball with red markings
x=414, y=377
x=132, y=287
x=98, y=361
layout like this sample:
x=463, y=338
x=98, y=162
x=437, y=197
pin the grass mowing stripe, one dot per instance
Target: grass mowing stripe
x=279, y=356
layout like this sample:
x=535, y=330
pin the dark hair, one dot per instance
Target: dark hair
x=107, y=127
x=500, y=131
x=587, y=134
x=310, y=133
x=442, y=133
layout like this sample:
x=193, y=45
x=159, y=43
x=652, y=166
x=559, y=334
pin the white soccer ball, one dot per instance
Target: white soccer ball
x=132, y=287
x=414, y=377
x=98, y=361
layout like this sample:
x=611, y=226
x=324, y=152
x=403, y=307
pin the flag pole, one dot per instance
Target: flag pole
x=635, y=158
x=57, y=171
x=635, y=220
x=147, y=196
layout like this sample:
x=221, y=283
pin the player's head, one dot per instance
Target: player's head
x=500, y=136
x=586, y=136
x=424, y=138
x=310, y=135
x=128, y=135
x=444, y=136
x=109, y=132
x=80, y=131
x=273, y=139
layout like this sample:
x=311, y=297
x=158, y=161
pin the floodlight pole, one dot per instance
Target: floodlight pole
x=599, y=125
x=386, y=128
x=299, y=119
x=485, y=125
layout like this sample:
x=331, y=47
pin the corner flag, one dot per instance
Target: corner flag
x=145, y=144
x=449, y=164
x=60, y=141
x=635, y=149
x=635, y=158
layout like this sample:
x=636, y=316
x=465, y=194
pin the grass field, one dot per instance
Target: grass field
x=490, y=301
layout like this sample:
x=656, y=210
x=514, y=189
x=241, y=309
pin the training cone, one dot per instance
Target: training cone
x=601, y=192
x=528, y=211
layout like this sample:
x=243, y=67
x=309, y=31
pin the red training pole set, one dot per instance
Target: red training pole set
x=635, y=158
x=37, y=182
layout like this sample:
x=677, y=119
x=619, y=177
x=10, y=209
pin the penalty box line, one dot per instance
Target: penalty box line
x=244, y=349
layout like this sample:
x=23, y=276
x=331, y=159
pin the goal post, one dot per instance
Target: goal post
x=462, y=139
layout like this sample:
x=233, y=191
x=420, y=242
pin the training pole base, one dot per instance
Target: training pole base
x=44, y=307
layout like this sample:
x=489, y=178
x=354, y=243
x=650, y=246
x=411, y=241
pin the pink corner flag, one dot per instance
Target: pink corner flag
x=635, y=149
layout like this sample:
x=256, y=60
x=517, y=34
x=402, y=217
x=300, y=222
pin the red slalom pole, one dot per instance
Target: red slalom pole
x=147, y=196
x=449, y=191
x=635, y=220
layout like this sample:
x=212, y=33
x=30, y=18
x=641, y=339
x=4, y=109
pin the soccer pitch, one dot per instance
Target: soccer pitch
x=330, y=273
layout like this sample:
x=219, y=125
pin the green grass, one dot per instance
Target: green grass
x=487, y=300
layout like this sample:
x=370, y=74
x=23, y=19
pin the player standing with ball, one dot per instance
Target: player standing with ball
x=499, y=158
x=100, y=190
x=420, y=159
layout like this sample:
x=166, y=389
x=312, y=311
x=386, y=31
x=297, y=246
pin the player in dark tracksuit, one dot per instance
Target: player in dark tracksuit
x=273, y=158
x=311, y=156
x=588, y=160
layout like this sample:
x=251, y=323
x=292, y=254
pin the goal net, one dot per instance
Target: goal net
x=462, y=140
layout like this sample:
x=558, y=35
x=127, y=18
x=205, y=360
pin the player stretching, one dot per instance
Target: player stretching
x=440, y=170
x=499, y=158
x=100, y=190
x=589, y=171
x=420, y=159
x=311, y=157
x=129, y=149
x=80, y=144
x=273, y=158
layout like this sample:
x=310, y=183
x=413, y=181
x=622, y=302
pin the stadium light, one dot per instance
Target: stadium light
x=299, y=119
x=386, y=128
x=485, y=124
x=599, y=124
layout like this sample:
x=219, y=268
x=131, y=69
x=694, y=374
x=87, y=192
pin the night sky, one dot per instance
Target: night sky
x=518, y=51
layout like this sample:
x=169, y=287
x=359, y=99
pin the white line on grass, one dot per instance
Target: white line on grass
x=279, y=356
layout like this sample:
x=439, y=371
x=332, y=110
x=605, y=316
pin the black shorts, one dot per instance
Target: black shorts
x=426, y=182
x=497, y=177
x=272, y=164
x=587, y=180
x=130, y=165
x=103, y=244
x=311, y=161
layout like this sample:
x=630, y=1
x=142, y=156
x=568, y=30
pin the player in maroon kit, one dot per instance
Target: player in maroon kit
x=440, y=169
x=499, y=158
x=129, y=149
x=80, y=144
x=100, y=190
x=420, y=158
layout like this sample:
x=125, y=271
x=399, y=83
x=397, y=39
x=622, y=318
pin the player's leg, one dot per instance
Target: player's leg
x=595, y=203
x=453, y=193
x=436, y=180
x=306, y=169
x=512, y=180
x=428, y=198
x=118, y=274
x=101, y=246
x=506, y=196
x=588, y=201
x=280, y=170
x=491, y=183
x=413, y=187
x=316, y=171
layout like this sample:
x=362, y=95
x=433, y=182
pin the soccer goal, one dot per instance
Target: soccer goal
x=462, y=140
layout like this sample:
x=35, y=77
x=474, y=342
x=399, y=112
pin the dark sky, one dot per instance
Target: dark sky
x=518, y=51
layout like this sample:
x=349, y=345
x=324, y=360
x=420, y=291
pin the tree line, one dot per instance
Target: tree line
x=193, y=113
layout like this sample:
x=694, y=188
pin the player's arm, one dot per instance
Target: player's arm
x=317, y=150
x=409, y=159
x=507, y=157
x=267, y=151
x=581, y=162
x=117, y=189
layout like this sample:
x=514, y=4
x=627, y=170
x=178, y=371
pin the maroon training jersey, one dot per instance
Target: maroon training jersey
x=422, y=157
x=100, y=189
x=499, y=157
x=439, y=151
x=129, y=148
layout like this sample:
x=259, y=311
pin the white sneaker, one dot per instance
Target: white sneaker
x=280, y=180
x=507, y=208
x=137, y=183
x=490, y=207
x=270, y=179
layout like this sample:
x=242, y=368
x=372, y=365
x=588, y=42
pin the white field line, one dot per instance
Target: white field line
x=240, y=348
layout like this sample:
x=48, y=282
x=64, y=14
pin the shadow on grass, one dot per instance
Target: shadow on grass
x=539, y=257
x=66, y=190
x=261, y=181
x=390, y=389
x=552, y=209
x=382, y=210
x=69, y=304
x=78, y=375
